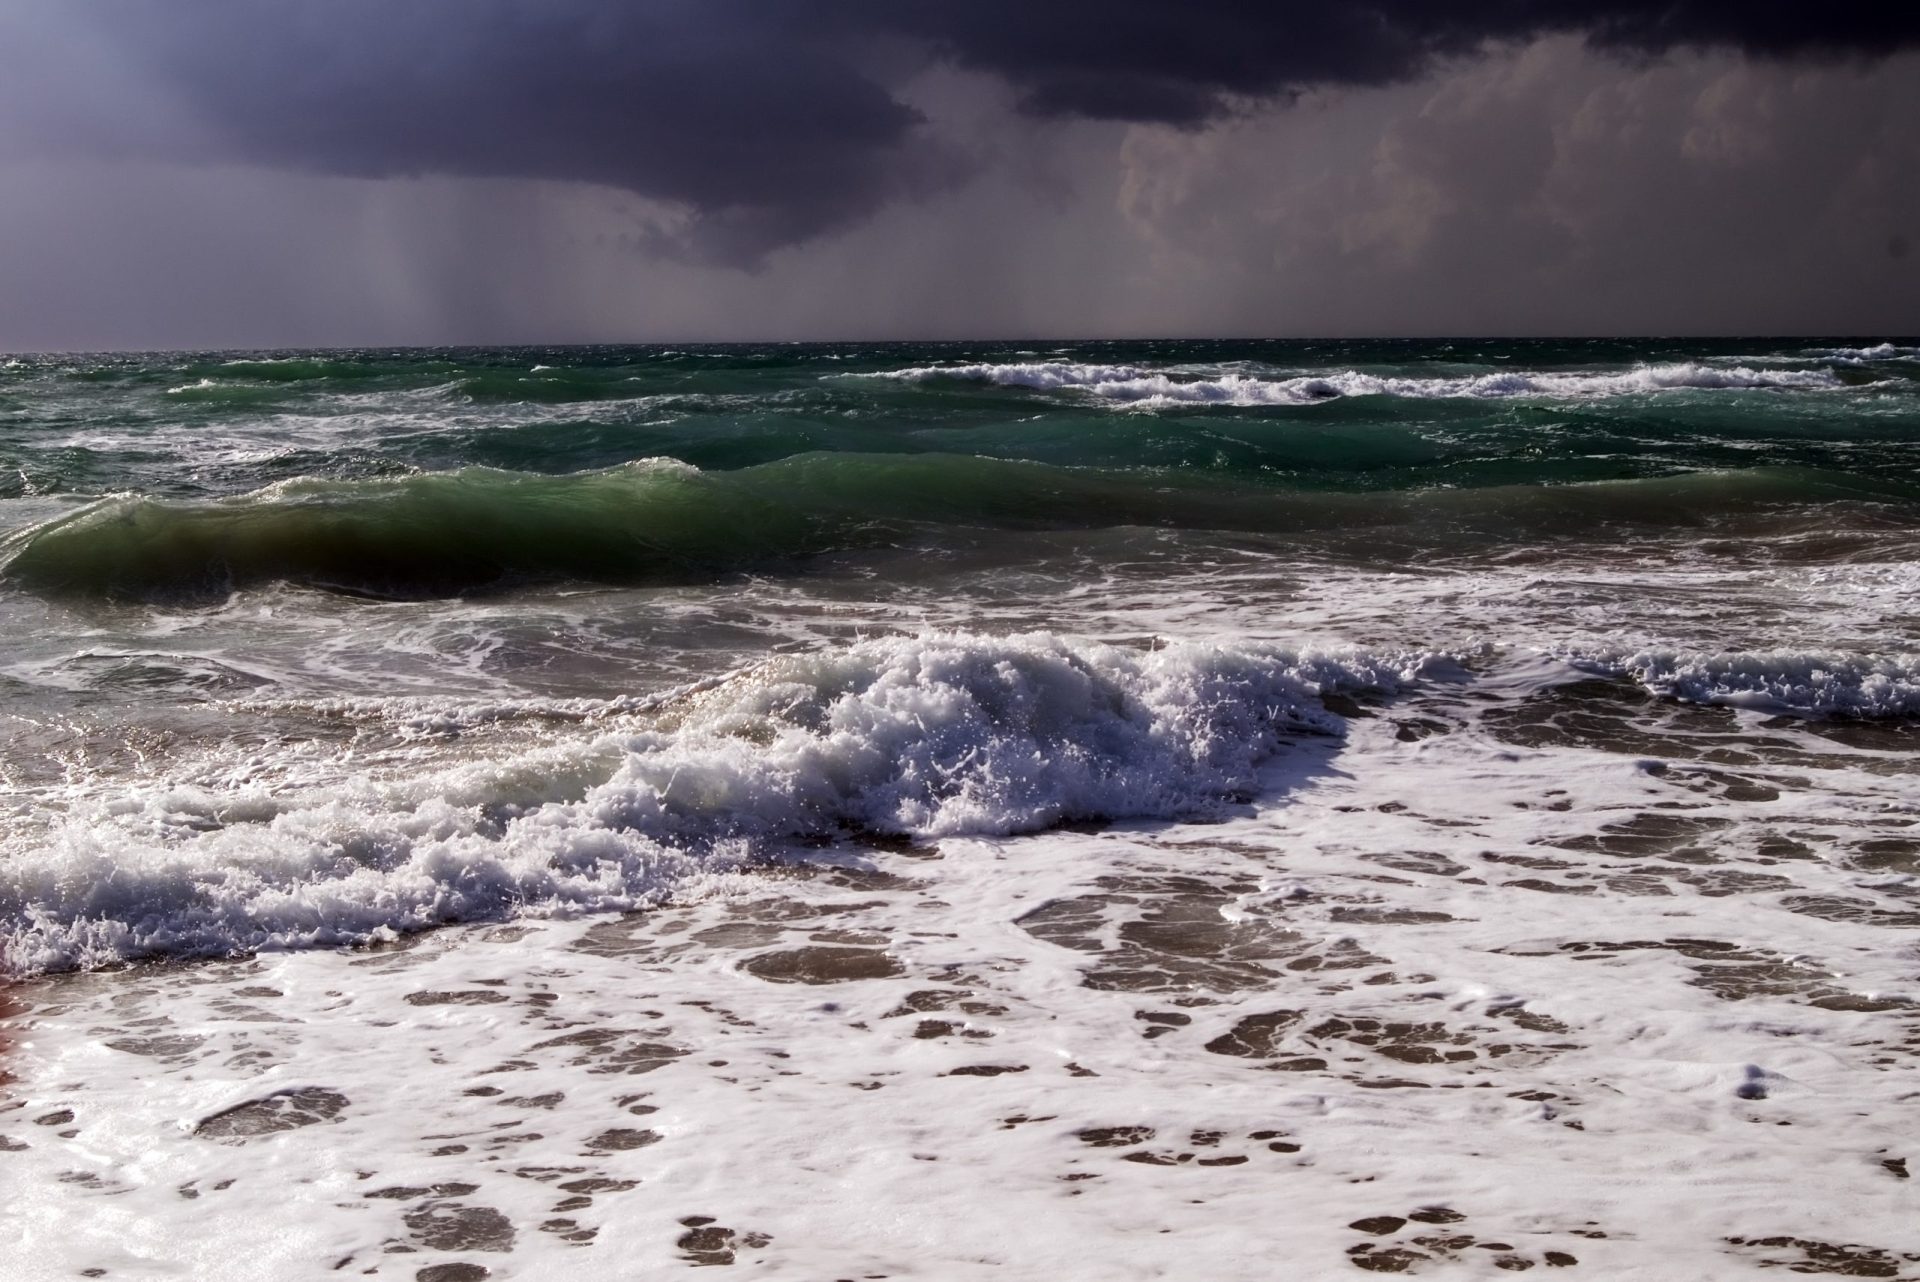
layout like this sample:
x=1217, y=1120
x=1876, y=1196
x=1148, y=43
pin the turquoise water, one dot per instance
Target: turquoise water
x=425, y=473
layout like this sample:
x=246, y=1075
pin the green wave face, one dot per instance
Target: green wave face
x=664, y=522
x=425, y=535
x=422, y=473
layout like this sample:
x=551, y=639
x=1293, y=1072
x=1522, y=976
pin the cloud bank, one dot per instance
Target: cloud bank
x=1421, y=149
x=768, y=121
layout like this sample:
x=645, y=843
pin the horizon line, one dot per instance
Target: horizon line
x=1825, y=336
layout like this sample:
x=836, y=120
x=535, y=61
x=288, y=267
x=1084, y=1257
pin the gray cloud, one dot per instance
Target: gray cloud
x=766, y=122
x=1548, y=190
x=206, y=173
x=758, y=123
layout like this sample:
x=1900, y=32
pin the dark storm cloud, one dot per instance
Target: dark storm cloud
x=1181, y=63
x=738, y=110
x=771, y=121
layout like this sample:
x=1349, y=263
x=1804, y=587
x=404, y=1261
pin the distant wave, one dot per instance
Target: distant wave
x=1869, y=686
x=1134, y=385
x=1863, y=355
x=931, y=736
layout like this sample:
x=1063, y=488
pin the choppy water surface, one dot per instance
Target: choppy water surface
x=1155, y=782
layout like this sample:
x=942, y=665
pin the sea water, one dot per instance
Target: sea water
x=1176, y=809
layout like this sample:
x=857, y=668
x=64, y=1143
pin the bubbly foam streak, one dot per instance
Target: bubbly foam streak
x=1502, y=974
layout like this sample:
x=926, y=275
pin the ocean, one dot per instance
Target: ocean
x=1092, y=810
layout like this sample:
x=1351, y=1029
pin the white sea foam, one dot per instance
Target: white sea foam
x=931, y=736
x=1803, y=682
x=1877, y=352
x=1663, y=1067
x=1134, y=385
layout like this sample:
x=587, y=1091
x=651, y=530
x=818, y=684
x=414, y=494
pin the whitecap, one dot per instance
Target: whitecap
x=1876, y=352
x=1136, y=386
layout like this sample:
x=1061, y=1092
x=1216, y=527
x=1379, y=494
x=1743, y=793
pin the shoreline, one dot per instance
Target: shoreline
x=1130, y=1050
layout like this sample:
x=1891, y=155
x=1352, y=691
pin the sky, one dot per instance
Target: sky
x=270, y=173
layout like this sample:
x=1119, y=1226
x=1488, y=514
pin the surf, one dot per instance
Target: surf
x=923, y=737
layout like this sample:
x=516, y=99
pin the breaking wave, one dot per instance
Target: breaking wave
x=924, y=737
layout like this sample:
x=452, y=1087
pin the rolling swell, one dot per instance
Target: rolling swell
x=659, y=521
x=429, y=535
